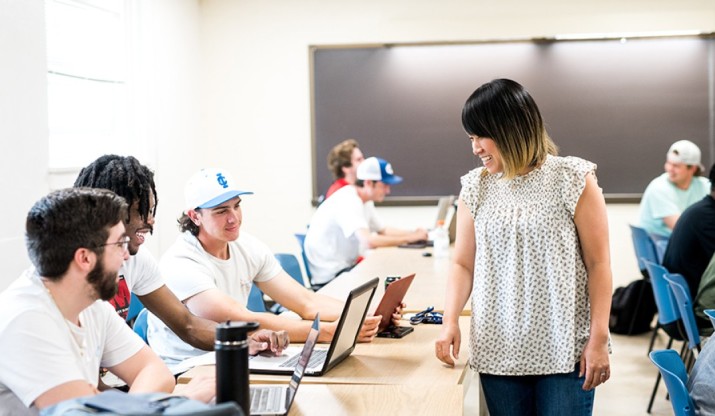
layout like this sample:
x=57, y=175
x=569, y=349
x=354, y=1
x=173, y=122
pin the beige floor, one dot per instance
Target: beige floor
x=628, y=391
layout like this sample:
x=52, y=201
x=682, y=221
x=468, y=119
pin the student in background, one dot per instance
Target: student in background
x=343, y=161
x=213, y=264
x=54, y=336
x=532, y=250
x=701, y=382
x=128, y=178
x=692, y=244
x=347, y=224
x=667, y=196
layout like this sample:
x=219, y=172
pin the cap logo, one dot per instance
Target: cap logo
x=221, y=180
x=388, y=169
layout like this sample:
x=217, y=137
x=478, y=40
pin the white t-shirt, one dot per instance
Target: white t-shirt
x=42, y=350
x=331, y=243
x=189, y=270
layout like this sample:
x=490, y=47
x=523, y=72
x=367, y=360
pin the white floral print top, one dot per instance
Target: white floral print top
x=530, y=305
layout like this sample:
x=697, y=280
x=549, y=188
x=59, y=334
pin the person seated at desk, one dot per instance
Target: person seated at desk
x=54, y=334
x=212, y=266
x=343, y=161
x=347, y=224
x=139, y=274
x=668, y=195
x=692, y=244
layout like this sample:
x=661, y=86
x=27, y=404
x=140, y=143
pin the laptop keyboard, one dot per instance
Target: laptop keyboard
x=315, y=359
x=266, y=399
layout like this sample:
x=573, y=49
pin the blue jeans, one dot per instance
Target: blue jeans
x=551, y=394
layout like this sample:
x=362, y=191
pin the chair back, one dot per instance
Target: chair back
x=711, y=314
x=675, y=375
x=681, y=292
x=135, y=306
x=255, y=300
x=643, y=246
x=301, y=241
x=667, y=309
x=140, y=324
x=290, y=264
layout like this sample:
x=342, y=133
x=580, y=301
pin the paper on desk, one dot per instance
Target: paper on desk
x=205, y=359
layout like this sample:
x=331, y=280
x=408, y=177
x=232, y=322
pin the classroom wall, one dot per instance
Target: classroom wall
x=226, y=83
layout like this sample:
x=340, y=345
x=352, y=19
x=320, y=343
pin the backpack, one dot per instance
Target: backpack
x=632, y=308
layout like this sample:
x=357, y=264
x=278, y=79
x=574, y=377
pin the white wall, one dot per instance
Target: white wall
x=23, y=126
x=226, y=83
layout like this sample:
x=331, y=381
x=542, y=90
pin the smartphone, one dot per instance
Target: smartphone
x=395, y=331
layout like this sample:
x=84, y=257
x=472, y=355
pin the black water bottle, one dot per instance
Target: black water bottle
x=232, y=363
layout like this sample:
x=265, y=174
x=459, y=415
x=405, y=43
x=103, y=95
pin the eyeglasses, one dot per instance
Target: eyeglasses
x=427, y=316
x=123, y=243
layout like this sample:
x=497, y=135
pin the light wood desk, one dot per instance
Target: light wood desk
x=406, y=361
x=427, y=289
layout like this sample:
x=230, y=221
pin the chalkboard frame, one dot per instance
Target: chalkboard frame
x=686, y=110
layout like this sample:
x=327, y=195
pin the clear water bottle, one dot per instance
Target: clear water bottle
x=440, y=238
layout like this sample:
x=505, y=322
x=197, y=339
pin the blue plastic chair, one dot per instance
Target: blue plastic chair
x=644, y=248
x=681, y=292
x=255, y=300
x=675, y=375
x=661, y=246
x=135, y=306
x=140, y=324
x=290, y=264
x=710, y=314
x=301, y=241
x=668, y=311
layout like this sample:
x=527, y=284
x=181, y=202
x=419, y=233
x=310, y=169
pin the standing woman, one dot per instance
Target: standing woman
x=532, y=247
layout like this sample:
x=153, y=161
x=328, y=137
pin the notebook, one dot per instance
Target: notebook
x=394, y=294
x=343, y=344
x=271, y=399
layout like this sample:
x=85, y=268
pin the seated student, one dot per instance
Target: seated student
x=346, y=224
x=213, y=264
x=705, y=298
x=54, y=335
x=701, y=382
x=343, y=161
x=128, y=178
x=667, y=196
x=692, y=244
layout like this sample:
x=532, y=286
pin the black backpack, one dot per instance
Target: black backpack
x=632, y=308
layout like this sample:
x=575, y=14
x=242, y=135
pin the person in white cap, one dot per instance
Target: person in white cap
x=667, y=196
x=213, y=264
x=346, y=224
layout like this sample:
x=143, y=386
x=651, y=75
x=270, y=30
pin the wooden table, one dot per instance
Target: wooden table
x=427, y=289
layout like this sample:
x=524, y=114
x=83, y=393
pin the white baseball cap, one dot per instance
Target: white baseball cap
x=210, y=187
x=685, y=151
x=376, y=169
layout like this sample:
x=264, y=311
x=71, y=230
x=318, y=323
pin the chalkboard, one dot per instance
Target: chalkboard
x=617, y=103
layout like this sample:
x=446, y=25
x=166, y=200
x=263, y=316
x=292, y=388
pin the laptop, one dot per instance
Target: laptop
x=447, y=213
x=343, y=344
x=271, y=399
x=394, y=294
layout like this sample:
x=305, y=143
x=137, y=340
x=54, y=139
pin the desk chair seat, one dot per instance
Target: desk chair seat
x=675, y=375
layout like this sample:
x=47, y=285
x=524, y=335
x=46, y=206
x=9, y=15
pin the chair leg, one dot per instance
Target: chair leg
x=655, y=390
x=652, y=338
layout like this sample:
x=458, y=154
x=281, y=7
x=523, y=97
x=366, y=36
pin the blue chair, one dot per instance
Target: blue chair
x=711, y=314
x=681, y=292
x=140, y=324
x=644, y=248
x=255, y=300
x=661, y=245
x=668, y=311
x=135, y=306
x=675, y=375
x=301, y=241
x=290, y=264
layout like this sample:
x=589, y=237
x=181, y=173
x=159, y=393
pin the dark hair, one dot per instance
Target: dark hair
x=503, y=111
x=340, y=157
x=185, y=224
x=712, y=179
x=125, y=176
x=67, y=219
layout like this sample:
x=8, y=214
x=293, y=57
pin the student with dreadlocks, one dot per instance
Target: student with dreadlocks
x=128, y=178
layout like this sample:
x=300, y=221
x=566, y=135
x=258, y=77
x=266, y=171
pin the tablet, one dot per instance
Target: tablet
x=394, y=293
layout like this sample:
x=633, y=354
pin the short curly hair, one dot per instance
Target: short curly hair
x=340, y=157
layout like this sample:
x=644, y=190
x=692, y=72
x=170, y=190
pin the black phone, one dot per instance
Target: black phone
x=395, y=331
